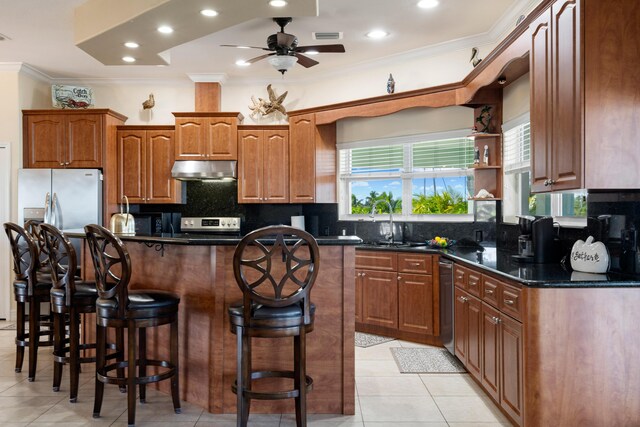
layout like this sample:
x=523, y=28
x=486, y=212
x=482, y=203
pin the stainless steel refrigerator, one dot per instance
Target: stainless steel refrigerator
x=66, y=198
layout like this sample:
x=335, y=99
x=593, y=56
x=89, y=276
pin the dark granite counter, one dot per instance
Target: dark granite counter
x=209, y=239
x=499, y=262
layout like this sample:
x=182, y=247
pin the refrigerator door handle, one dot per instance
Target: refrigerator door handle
x=47, y=209
x=56, y=212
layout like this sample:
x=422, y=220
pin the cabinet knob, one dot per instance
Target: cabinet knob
x=363, y=274
x=496, y=320
x=399, y=277
x=67, y=163
x=552, y=182
x=462, y=299
x=508, y=301
x=546, y=182
x=61, y=163
x=488, y=291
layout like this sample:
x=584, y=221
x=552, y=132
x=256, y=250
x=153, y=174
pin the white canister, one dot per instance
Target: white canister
x=298, y=221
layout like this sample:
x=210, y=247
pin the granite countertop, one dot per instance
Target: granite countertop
x=500, y=262
x=209, y=239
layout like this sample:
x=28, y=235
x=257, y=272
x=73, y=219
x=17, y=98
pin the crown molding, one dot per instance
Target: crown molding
x=120, y=81
x=23, y=68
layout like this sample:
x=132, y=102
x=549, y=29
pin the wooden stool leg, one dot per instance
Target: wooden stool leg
x=300, y=380
x=20, y=336
x=131, y=373
x=74, y=354
x=58, y=348
x=34, y=337
x=142, y=367
x=120, y=356
x=101, y=342
x=175, y=360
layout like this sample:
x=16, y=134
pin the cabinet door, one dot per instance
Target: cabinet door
x=415, y=303
x=474, y=328
x=161, y=187
x=44, y=141
x=490, y=366
x=84, y=141
x=511, y=375
x=221, y=136
x=302, y=159
x=541, y=117
x=250, y=166
x=275, y=166
x=132, y=165
x=461, y=320
x=190, y=139
x=567, y=95
x=380, y=298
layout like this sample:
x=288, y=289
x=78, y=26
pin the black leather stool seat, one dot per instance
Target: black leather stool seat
x=85, y=293
x=291, y=315
x=39, y=289
x=142, y=304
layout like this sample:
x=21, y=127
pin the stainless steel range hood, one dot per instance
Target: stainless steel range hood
x=201, y=170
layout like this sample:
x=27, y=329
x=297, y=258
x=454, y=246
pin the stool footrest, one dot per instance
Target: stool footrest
x=269, y=395
x=103, y=374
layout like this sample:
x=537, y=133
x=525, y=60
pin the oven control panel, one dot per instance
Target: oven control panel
x=228, y=224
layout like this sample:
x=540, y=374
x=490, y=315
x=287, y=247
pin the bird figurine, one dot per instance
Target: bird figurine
x=474, y=57
x=149, y=103
x=391, y=84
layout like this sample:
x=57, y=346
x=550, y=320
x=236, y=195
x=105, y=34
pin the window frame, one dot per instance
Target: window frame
x=405, y=175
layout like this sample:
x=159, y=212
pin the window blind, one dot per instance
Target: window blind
x=444, y=154
x=517, y=149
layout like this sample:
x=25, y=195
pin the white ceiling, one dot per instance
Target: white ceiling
x=40, y=33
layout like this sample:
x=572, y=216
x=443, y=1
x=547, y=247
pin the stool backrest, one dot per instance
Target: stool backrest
x=276, y=266
x=33, y=228
x=112, y=266
x=62, y=259
x=25, y=254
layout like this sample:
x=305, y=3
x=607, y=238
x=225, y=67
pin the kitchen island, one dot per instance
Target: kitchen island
x=199, y=269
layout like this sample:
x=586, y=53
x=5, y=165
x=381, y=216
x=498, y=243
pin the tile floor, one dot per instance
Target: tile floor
x=384, y=397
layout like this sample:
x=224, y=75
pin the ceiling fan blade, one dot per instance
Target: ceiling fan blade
x=258, y=58
x=305, y=61
x=243, y=47
x=322, y=48
x=284, y=39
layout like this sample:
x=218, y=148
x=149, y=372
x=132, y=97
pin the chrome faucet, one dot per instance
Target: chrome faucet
x=388, y=236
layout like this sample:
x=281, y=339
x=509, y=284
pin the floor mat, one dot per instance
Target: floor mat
x=420, y=360
x=367, y=340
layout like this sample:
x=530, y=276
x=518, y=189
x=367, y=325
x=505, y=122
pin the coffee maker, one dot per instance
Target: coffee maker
x=536, y=243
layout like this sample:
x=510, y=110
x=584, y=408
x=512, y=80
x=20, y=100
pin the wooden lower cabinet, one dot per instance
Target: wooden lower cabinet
x=396, y=295
x=489, y=342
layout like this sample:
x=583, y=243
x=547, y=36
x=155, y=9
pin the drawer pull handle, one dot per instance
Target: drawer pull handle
x=417, y=264
x=509, y=301
x=488, y=291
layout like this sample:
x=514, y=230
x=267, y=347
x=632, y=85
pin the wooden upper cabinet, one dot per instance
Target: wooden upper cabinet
x=263, y=172
x=302, y=159
x=67, y=139
x=207, y=136
x=145, y=159
x=557, y=106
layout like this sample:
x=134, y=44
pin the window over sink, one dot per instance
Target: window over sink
x=422, y=177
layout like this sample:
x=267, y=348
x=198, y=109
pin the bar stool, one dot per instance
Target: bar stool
x=70, y=297
x=275, y=267
x=29, y=289
x=120, y=308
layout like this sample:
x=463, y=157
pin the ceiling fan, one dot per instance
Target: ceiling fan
x=285, y=51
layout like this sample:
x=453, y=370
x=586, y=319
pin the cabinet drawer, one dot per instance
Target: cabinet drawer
x=377, y=260
x=511, y=301
x=491, y=291
x=460, y=276
x=473, y=283
x=414, y=263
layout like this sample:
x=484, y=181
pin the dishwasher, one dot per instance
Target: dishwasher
x=446, y=305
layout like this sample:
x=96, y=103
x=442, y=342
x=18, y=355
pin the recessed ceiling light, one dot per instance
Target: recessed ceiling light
x=132, y=45
x=311, y=52
x=243, y=47
x=128, y=59
x=242, y=63
x=428, y=4
x=209, y=12
x=277, y=3
x=165, y=29
x=377, y=34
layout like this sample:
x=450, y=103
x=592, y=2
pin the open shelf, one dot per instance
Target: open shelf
x=484, y=199
x=485, y=167
x=483, y=135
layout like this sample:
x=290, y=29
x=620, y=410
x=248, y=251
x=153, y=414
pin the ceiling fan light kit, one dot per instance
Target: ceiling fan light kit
x=282, y=63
